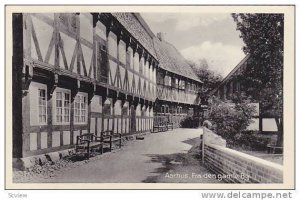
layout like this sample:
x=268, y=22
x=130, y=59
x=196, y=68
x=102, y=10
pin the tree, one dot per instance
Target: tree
x=210, y=78
x=263, y=38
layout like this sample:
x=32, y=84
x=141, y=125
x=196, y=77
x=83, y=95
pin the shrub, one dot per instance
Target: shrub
x=251, y=140
x=229, y=119
x=190, y=122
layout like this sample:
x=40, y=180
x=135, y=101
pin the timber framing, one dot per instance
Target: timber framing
x=79, y=73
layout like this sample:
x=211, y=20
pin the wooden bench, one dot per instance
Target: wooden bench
x=87, y=142
x=108, y=137
x=274, y=149
x=163, y=127
x=155, y=129
x=169, y=126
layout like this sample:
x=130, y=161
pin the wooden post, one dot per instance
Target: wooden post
x=88, y=150
x=110, y=142
x=204, y=129
x=17, y=99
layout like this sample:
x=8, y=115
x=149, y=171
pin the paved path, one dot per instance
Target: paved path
x=133, y=163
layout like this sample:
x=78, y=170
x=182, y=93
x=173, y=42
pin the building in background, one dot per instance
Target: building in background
x=82, y=73
x=177, y=85
x=234, y=84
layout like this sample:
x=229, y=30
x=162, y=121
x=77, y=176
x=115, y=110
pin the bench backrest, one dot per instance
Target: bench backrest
x=87, y=136
x=107, y=133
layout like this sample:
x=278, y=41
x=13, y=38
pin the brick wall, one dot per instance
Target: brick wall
x=237, y=167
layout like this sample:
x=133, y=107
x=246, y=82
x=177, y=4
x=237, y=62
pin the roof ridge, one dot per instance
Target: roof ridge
x=238, y=66
x=175, y=60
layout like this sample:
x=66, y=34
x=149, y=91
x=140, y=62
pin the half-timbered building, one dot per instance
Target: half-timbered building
x=76, y=73
x=177, y=85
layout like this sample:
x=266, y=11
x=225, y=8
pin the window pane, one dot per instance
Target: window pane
x=42, y=105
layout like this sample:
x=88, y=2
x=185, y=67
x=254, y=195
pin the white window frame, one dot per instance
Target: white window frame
x=44, y=105
x=54, y=118
x=81, y=96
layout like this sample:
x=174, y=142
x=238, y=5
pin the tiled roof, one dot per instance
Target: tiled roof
x=138, y=28
x=236, y=70
x=171, y=60
x=167, y=55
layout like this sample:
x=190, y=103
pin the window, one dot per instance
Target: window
x=107, y=108
x=181, y=84
x=190, y=111
x=62, y=107
x=125, y=110
x=59, y=107
x=167, y=109
x=42, y=106
x=162, y=109
x=160, y=78
x=80, y=109
x=173, y=82
x=179, y=110
x=102, y=59
x=66, y=104
x=167, y=80
x=188, y=86
x=192, y=87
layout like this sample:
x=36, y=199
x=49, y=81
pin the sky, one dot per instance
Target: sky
x=201, y=35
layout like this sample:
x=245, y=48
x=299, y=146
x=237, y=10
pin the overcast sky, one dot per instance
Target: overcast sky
x=196, y=36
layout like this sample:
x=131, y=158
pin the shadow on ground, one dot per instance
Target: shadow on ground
x=180, y=167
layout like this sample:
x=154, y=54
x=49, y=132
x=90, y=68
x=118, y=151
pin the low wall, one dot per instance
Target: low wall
x=237, y=167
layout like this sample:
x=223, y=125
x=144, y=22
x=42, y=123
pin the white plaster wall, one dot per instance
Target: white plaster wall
x=269, y=124
x=87, y=55
x=130, y=57
x=86, y=26
x=136, y=63
x=33, y=141
x=112, y=44
x=92, y=125
x=99, y=126
x=44, y=140
x=44, y=34
x=118, y=109
x=105, y=124
x=55, y=139
x=254, y=126
x=115, y=125
x=122, y=73
x=69, y=46
x=122, y=52
x=96, y=104
x=75, y=134
x=113, y=69
x=101, y=30
x=66, y=137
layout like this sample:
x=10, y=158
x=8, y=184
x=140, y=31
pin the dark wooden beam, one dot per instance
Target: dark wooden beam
x=17, y=66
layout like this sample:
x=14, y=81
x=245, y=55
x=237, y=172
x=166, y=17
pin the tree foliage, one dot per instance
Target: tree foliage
x=263, y=37
x=210, y=78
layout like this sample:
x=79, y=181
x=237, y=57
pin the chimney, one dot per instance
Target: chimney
x=161, y=36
